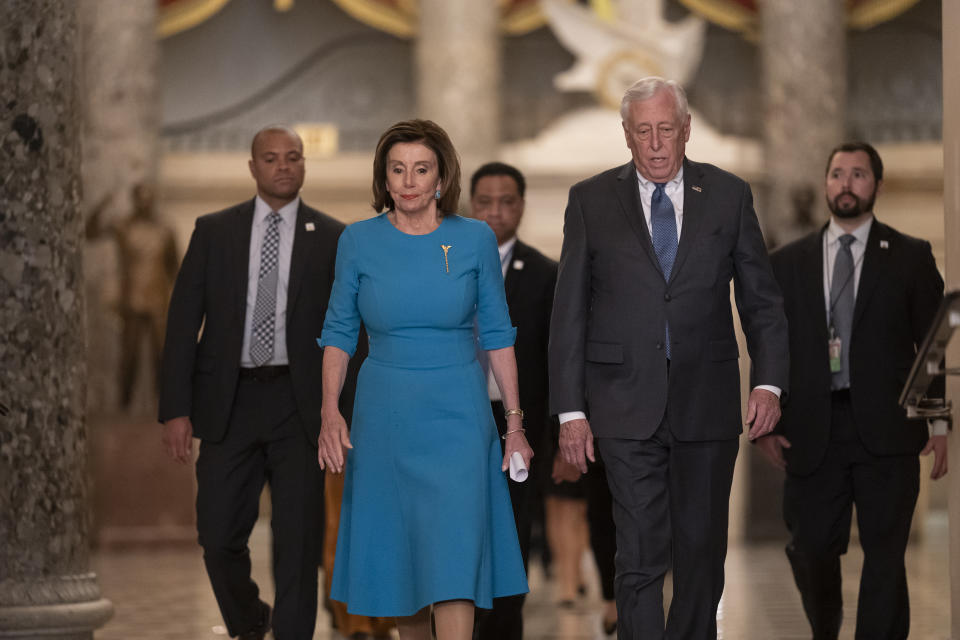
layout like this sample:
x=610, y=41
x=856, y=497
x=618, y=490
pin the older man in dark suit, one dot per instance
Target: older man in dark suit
x=859, y=296
x=643, y=356
x=255, y=278
x=497, y=197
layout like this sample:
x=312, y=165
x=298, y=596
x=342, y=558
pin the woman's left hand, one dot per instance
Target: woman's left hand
x=516, y=442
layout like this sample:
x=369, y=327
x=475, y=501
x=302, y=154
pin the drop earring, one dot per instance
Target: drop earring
x=437, y=194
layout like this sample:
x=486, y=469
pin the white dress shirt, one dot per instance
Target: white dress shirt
x=286, y=227
x=831, y=244
x=674, y=191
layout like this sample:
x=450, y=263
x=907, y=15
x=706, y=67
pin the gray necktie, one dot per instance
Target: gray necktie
x=663, y=222
x=265, y=310
x=841, y=307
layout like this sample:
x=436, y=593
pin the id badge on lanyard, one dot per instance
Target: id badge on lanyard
x=835, y=348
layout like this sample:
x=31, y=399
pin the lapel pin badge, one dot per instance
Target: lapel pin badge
x=884, y=244
x=696, y=188
x=518, y=264
x=310, y=226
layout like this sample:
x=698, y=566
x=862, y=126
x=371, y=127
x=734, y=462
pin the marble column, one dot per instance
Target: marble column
x=46, y=587
x=804, y=80
x=121, y=123
x=803, y=61
x=458, y=76
x=951, y=216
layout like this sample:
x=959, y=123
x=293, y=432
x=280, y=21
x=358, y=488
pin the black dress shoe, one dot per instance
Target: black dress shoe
x=260, y=631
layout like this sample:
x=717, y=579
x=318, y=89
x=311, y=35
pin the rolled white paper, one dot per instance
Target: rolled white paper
x=518, y=470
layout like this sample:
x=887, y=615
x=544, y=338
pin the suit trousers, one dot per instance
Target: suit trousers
x=818, y=511
x=603, y=536
x=505, y=620
x=670, y=506
x=265, y=443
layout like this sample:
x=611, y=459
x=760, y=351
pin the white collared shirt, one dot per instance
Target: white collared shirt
x=674, y=191
x=831, y=244
x=288, y=215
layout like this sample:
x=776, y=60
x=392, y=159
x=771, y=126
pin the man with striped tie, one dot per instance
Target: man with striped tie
x=643, y=357
x=241, y=372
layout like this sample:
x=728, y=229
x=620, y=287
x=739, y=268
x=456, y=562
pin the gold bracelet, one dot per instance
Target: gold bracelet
x=513, y=412
x=520, y=430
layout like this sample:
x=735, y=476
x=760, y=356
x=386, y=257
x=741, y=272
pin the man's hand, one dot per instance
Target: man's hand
x=333, y=442
x=937, y=444
x=576, y=443
x=763, y=412
x=772, y=446
x=178, y=439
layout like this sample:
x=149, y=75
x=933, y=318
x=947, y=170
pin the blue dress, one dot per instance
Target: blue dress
x=426, y=513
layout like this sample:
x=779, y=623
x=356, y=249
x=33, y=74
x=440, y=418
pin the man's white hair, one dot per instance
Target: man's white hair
x=646, y=88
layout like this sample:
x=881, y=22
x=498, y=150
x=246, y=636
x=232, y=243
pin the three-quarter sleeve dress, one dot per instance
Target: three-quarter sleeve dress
x=426, y=513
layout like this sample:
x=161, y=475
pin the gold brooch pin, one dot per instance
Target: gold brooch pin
x=446, y=248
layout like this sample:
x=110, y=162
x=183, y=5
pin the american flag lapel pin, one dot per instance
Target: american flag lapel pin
x=310, y=226
x=884, y=244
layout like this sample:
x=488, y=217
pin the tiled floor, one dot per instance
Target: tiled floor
x=164, y=594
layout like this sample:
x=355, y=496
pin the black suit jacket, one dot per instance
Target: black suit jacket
x=530, y=281
x=898, y=295
x=200, y=370
x=612, y=304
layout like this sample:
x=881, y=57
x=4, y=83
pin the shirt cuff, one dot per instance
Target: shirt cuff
x=567, y=416
x=777, y=391
x=938, y=427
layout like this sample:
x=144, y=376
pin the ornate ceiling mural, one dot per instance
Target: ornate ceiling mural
x=399, y=17
x=743, y=15
x=179, y=15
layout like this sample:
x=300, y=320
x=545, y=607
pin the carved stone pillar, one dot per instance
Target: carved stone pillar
x=804, y=80
x=458, y=74
x=46, y=587
x=803, y=59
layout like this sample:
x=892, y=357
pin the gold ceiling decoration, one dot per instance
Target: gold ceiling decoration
x=175, y=16
x=399, y=17
x=743, y=15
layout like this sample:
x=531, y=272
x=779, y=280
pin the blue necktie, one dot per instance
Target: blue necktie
x=664, y=224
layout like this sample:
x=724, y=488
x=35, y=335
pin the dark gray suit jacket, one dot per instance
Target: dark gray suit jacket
x=200, y=370
x=612, y=304
x=899, y=292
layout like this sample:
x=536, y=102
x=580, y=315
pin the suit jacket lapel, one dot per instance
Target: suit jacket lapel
x=693, y=201
x=512, y=277
x=298, y=257
x=809, y=274
x=240, y=255
x=628, y=193
x=874, y=262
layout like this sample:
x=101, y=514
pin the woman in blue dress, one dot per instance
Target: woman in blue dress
x=426, y=516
